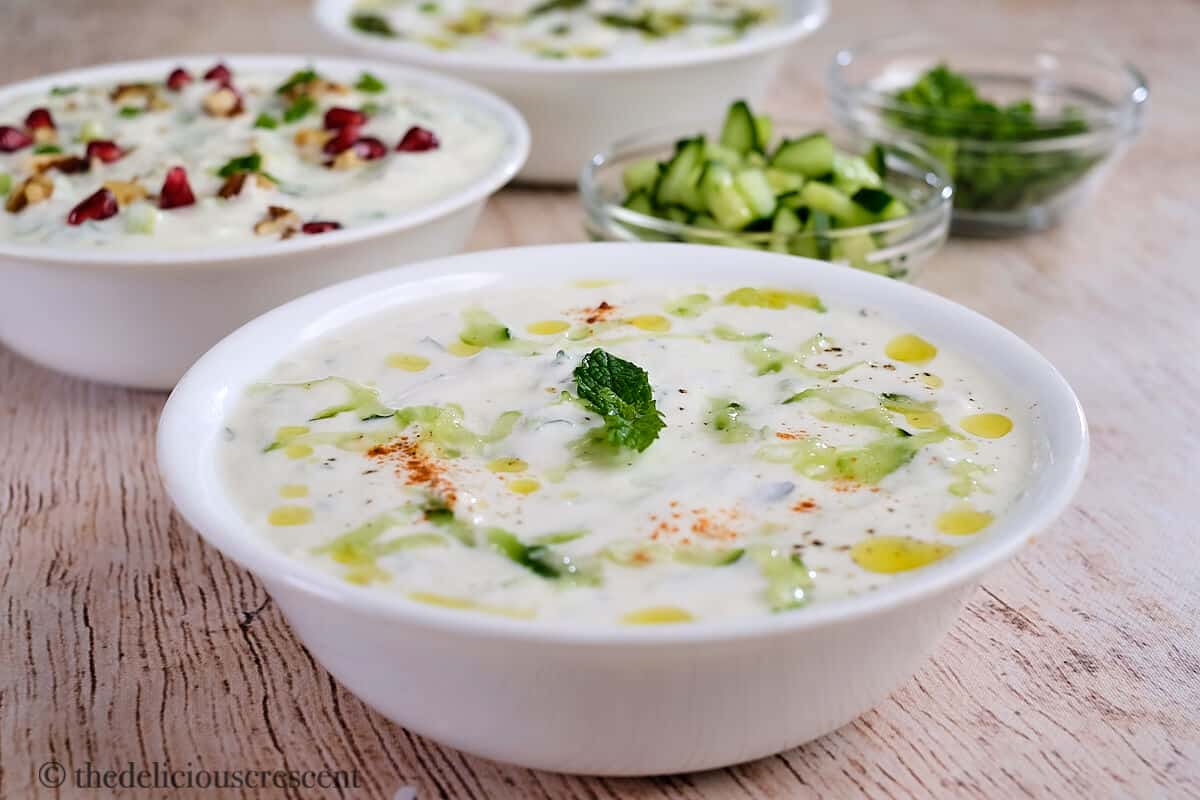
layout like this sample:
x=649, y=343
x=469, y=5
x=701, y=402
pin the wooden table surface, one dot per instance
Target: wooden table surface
x=1075, y=670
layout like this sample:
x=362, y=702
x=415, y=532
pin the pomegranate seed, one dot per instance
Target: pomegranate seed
x=320, y=227
x=219, y=73
x=339, y=117
x=342, y=140
x=417, y=140
x=13, y=139
x=176, y=191
x=39, y=118
x=99, y=205
x=369, y=148
x=105, y=150
x=180, y=78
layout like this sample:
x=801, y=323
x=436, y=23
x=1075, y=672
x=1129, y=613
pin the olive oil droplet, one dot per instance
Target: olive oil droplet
x=896, y=553
x=462, y=349
x=290, y=515
x=988, y=426
x=293, y=490
x=507, y=465
x=407, y=362
x=524, y=486
x=910, y=348
x=657, y=615
x=963, y=521
x=650, y=322
x=547, y=327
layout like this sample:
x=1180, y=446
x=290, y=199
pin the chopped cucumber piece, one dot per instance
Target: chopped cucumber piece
x=140, y=218
x=640, y=175
x=714, y=151
x=873, y=200
x=679, y=184
x=762, y=129
x=854, y=249
x=851, y=173
x=640, y=202
x=824, y=198
x=482, y=329
x=740, y=131
x=811, y=156
x=705, y=557
x=727, y=205
x=785, y=225
x=877, y=160
x=753, y=186
x=783, y=182
x=5, y=183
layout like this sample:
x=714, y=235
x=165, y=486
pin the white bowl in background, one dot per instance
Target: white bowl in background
x=141, y=317
x=614, y=700
x=578, y=107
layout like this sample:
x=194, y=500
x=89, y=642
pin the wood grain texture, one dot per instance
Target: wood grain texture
x=1074, y=672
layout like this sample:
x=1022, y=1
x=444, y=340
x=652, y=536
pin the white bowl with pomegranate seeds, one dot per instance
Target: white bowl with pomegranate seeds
x=403, y=606
x=157, y=205
x=586, y=73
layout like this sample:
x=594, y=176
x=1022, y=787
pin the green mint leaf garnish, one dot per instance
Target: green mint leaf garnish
x=428, y=8
x=297, y=78
x=130, y=111
x=46, y=149
x=265, y=120
x=59, y=91
x=373, y=24
x=370, y=84
x=299, y=108
x=250, y=163
x=619, y=391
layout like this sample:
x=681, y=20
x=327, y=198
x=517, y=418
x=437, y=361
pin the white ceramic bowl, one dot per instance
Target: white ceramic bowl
x=613, y=700
x=140, y=318
x=577, y=107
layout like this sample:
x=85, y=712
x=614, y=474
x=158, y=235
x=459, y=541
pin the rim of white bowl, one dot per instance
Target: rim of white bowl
x=187, y=457
x=515, y=153
x=331, y=15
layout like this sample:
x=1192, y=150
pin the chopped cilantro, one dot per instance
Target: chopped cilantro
x=619, y=391
x=299, y=108
x=265, y=120
x=130, y=111
x=297, y=78
x=46, y=149
x=59, y=91
x=373, y=24
x=370, y=84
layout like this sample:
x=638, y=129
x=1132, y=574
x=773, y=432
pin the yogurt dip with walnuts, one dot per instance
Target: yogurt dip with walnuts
x=198, y=159
x=563, y=29
x=625, y=453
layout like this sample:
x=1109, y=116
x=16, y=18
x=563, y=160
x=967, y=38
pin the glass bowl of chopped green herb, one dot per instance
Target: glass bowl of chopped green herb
x=784, y=186
x=1025, y=133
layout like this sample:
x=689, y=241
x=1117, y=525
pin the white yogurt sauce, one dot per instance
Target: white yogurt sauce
x=558, y=29
x=179, y=131
x=723, y=515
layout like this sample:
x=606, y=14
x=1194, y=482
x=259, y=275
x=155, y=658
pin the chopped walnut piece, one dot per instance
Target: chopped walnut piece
x=311, y=137
x=347, y=159
x=279, y=220
x=126, y=192
x=315, y=88
x=234, y=183
x=33, y=189
x=223, y=102
x=63, y=163
x=131, y=92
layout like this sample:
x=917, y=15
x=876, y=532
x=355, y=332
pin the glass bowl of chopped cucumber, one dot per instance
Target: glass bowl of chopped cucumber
x=1025, y=133
x=782, y=186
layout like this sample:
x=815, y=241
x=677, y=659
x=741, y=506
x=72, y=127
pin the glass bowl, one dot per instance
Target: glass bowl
x=1086, y=108
x=895, y=248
